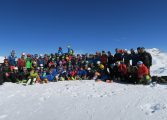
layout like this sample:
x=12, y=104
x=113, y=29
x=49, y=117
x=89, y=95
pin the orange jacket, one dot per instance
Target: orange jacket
x=142, y=71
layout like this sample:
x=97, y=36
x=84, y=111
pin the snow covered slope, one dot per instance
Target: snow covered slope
x=159, y=67
x=87, y=100
x=83, y=100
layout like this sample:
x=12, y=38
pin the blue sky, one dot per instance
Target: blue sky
x=38, y=26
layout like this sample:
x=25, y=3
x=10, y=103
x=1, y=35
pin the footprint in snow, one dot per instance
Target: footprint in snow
x=152, y=108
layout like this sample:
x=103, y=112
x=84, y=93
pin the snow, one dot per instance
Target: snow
x=159, y=67
x=87, y=100
x=83, y=100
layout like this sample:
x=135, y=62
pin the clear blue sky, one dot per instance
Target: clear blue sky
x=38, y=26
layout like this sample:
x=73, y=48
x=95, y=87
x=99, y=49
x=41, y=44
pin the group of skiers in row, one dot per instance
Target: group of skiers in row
x=124, y=66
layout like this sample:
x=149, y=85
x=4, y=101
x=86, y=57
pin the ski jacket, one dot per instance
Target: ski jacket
x=21, y=62
x=122, y=68
x=12, y=60
x=142, y=71
x=147, y=59
x=104, y=59
x=28, y=63
x=118, y=57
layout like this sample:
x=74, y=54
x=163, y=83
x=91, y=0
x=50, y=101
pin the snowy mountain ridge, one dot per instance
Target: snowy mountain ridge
x=159, y=67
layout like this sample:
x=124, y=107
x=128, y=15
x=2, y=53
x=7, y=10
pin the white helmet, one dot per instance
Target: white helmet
x=23, y=54
x=15, y=68
x=89, y=68
x=98, y=62
x=41, y=55
x=41, y=65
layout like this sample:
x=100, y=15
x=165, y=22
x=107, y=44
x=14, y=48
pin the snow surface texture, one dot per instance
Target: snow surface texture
x=83, y=100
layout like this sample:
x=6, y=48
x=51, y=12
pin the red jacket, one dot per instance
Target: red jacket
x=142, y=71
x=21, y=62
x=103, y=59
x=122, y=68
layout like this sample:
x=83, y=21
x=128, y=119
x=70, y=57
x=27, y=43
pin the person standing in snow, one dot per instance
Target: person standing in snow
x=21, y=62
x=134, y=57
x=146, y=58
x=60, y=51
x=40, y=60
x=28, y=62
x=104, y=58
x=12, y=59
x=110, y=59
x=126, y=58
x=118, y=56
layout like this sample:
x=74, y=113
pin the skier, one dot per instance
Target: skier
x=146, y=58
x=6, y=71
x=21, y=62
x=60, y=51
x=134, y=57
x=118, y=56
x=143, y=73
x=103, y=74
x=122, y=69
x=28, y=62
x=33, y=77
x=126, y=58
x=104, y=58
x=12, y=59
x=110, y=59
x=14, y=75
x=40, y=60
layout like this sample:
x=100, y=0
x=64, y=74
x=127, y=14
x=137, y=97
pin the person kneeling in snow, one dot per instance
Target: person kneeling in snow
x=143, y=73
x=33, y=77
x=102, y=74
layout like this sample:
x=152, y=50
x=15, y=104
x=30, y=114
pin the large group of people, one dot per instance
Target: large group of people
x=124, y=66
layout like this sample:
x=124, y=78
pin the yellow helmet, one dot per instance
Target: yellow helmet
x=102, y=66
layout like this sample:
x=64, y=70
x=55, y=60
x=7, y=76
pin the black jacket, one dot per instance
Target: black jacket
x=146, y=58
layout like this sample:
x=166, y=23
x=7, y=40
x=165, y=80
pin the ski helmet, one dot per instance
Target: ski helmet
x=23, y=54
x=101, y=66
x=89, y=69
x=41, y=65
x=139, y=63
x=98, y=62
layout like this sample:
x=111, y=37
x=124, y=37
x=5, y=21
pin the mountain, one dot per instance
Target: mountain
x=159, y=67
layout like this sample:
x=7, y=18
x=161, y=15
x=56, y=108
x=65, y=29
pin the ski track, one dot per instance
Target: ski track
x=83, y=100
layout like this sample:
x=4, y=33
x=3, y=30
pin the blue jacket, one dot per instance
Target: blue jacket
x=40, y=61
x=12, y=60
x=82, y=73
